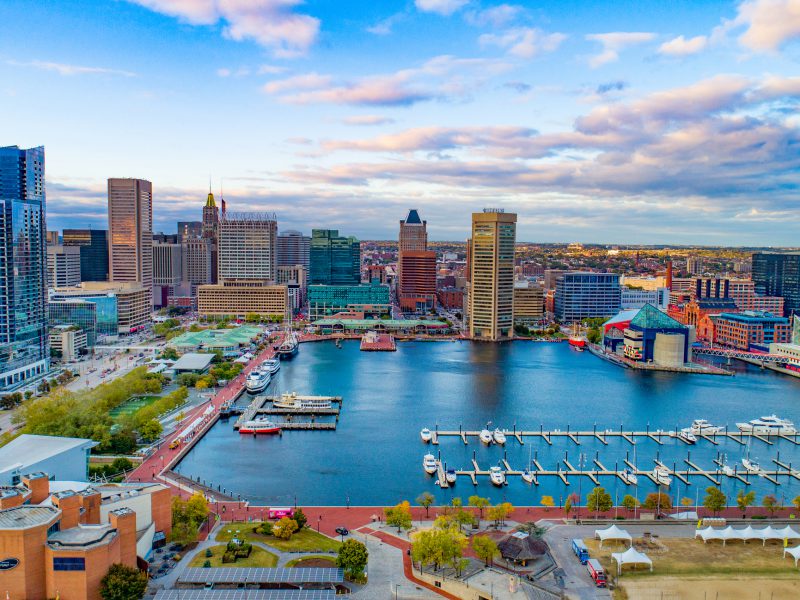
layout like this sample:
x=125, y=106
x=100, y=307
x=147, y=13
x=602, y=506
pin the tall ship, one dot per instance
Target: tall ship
x=258, y=379
x=288, y=346
x=576, y=340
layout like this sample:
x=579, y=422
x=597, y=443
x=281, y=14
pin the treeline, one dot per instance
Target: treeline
x=145, y=420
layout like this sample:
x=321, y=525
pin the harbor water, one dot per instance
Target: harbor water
x=374, y=457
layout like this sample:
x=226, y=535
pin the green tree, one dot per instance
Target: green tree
x=151, y=430
x=284, y=528
x=123, y=583
x=715, y=500
x=440, y=545
x=187, y=516
x=479, y=503
x=771, y=503
x=399, y=516
x=744, y=500
x=568, y=506
x=485, y=548
x=630, y=502
x=425, y=500
x=795, y=501
x=658, y=500
x=300, y=517
x=352, y=558
x=599, y=500
x=500, y=512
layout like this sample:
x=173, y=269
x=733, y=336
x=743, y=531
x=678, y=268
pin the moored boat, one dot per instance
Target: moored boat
x=751, y=465
x=272, y=364
x=662, y=475
x=497, y=476
x=527, y=476
x=426, y=435
x=499, y=437
x=293, y=401
x=703, y=427
x=770, y=425
x=485, y=436
x=687, y=436
x=629, y=477
x=257, y=380
x=450, y=476
x=259, y=425
x=429, y=464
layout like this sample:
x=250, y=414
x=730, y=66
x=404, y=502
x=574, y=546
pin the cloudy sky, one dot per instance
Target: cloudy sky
x=628, y=121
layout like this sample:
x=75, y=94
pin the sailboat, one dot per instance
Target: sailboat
x=289, y=344
x=526, y=474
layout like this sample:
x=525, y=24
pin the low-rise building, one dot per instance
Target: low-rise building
x=78, y=312
x=752, y=330
x=636, y=298
x=328, y=300
x=581, y=295
x=60, y=457
x=227, y=341
x=528, y=304
x=240, y=298
x=451, y=298
x=68, y=342
x=122, y=308
x=653, y=336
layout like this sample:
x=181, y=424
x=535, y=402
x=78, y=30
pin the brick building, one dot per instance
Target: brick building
x=751, y=330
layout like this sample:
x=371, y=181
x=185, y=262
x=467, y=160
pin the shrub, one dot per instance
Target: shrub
x=266, y=528
x=209, y=554
x=207, y=564
x=228, y=557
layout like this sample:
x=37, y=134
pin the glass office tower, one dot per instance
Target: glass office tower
x=335, y=259
x=24, y=353
x=776, y=274
x=94, y=251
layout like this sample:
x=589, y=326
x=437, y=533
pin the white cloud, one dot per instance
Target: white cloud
x=495, y=16
x=613, y=43
x=680, y=46
x=270, y=23
x=440, y=7
x=770, y=23
x=271, y=70
x=65, y=69
x=524, y=42
x=307, y=81
x=367, y=120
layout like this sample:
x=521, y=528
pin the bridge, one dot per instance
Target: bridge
x=730, y=353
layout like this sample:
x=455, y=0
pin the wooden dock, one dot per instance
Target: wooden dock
x=262, y=405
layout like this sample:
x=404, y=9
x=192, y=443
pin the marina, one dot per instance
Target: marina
x=290, y=405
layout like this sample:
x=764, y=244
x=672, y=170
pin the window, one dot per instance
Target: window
x=69, y=564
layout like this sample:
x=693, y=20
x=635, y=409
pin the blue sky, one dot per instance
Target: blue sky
x=641, y=122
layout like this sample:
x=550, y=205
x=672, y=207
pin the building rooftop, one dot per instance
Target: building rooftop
x=193, y=361
x=373, y=323
x=262, y=575
x=30, y=449
x=216, y=338
x=649, y=317
x=750, y=316
x=413, y=217
x=81, y=536
x=24, y=517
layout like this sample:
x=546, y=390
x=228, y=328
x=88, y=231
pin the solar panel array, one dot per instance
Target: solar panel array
x=262, y=575
x=247, y=595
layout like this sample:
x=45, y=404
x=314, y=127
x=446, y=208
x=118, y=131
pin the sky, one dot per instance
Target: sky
x=632, y=121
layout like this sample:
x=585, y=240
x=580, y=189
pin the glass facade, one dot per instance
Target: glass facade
x=778, y=275
x=327, y=300
x=106, y=309
x=587, y=295
x=94, y=252
x=75, y=312
x=335, y=260
x=23, y=266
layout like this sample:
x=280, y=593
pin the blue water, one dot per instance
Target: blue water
x=375, y=455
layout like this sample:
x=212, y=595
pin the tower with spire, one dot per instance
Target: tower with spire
x=211, y=229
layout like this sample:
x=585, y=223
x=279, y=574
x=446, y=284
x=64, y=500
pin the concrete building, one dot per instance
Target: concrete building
x=24, y=355
x=60, y=457
x=694, y=265
x=630, y=298
x=528, y=303
x=189, y=229
x=778, y=275
x=652, y=336
x=210, y=233
x=167, y=271
x=52, y=238
x=581, y=295
x=295, y=278
x=239, y=298
x=335, y=259
x=491, y=294
x=247, y=247
x=294, y=248
x=130, y=219
x=122, y=308
x=751, y=330
x=550, y=278
x=416, y=266
x=63, y=266
x=329, y=300
x=197, y=264
x=93, y=245
x=68, y=341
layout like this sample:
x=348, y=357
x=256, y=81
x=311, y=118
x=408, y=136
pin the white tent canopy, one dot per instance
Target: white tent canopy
x=747, y=533
x=787, y=533
x=631, y=556
x=612, y=533
x=794, y=552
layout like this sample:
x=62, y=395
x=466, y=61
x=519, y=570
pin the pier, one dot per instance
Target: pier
x=265, y=405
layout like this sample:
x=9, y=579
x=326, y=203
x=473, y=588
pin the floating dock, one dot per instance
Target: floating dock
x=377, y=342
x=264, y=405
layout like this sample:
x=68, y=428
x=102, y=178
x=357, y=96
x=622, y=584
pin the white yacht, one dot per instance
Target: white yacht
x=293, y=401
x=527, y=476
x=771, y=425
x=687, y=436
x=662, y=476
x=272, y=364
x=629, y=477
x=499, y=437
x=257, y=380
x=450, y=476
x=426, y=435
x=485, y=436
x=497, y=476
x=703, y=427
x=429, y=464
x=751, y=465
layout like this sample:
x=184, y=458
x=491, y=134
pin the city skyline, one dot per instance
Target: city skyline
x=643, y=124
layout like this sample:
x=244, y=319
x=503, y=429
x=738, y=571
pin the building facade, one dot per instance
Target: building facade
x=581, y=295
x=78, y=312
x=121, y=308
x=238, y=299
x=653, y=336
x=416, y=266
x=167, y=271
x=247, y=247
x=778, y=275
x=630, y=298
x=335, y=259
x=210, y=233
x=24, y=354
x=68, y=342
x=528, y=304
x=491, y=293
x=328, y=300
x=294, y=248
x=93, y=244
x=751, y=330
x=189, y=229
x=63, y=266
x=130, y=220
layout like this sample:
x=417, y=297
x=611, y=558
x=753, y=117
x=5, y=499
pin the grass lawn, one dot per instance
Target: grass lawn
x=327, y=558
x=131, y=406
x=688, y=557
x=258, y=558
x=306, y=540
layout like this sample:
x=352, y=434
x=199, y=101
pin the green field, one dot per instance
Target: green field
x=131, y=406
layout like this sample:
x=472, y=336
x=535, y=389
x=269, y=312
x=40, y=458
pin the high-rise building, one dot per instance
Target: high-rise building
x=24, y=353
x=247, y=245
x=211, y=233
x=94, y=251
x=63, y=266
x=130, y=223
x=167, y=271
x=197, y=263
x=491, y=294
x=335, y=259
x=694, y=265
x=778, y=275
x=52, y=238
x=122, y=308
x=581, y=295
x=189, y=229
x=416, y=266
x=294, y=248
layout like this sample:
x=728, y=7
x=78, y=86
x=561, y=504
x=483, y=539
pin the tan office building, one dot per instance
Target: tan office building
x=491, y=294
x=528, y=304
x=130, y=224
x=240, y=298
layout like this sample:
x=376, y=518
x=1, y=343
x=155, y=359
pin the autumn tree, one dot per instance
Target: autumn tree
x=399, y=516
x=547, y=502
x=715, y=500
x=630, y=502
x=744, y=500
x=599, y=500
x=479, y=502
x=485, y=548
x=284, y=528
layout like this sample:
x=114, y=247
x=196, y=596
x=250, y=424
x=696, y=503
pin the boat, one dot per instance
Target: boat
x=257, y=380
x=687, y=436
x=629, y=477
x=703, y=427
x=662, y=476
x=485, y=436
x=751, y=465
x=259, y=425
x=527, y=476
x=499, y=437
x=293, y=401
x=272, y=364
x=426, y=435
x=497, y=476
x=728, y=471
x=429, y=464
x=576, y=340
x=450, y=476
x=289, y=346
x=771, y=425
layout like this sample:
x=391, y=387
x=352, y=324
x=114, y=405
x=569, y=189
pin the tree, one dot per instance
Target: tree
x=548, y=502
x=500, y=512
x=658, y=500
x=479, y=503
x=399, y=516
x=771, y=503
x=123, y=583
x=744, y=500
x=630, y=502
x=187, y=516
x=485, y=548
x=352, y=558
x=686, y=502
x=425, y=500
x=715, y=499
x=599, y=500
x=284, y=528
x=440, y=545
x=795, y=501
x=568, y=506
x=300, y=517
x=151, y=430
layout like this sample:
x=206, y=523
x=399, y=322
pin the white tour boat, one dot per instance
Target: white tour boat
x=292, y=400
x=272, y=364
x=429, y=464
x=426, y=435
x=485, y=436
x=499, y=437
x=771, y=425
x=257, y=380
x=497, y=476
x=259, y=425
x=662, y=475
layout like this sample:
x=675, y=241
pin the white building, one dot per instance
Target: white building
x=68, y=341
x=59, y=457
x=632, y=298
x=248, y=247
x=63, y=266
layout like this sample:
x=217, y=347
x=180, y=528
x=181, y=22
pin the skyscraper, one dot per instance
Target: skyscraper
x=778, y=275
x=94, y=252
x=247, y=247
x=189, y=229
x=335, y=259
x=211, y=232
x=130, y=221
x=294, y=248
x=491, y=294
x=63, y=266
x=582, y=295
x=416, y=266
x=167, y=271
x=24, y=353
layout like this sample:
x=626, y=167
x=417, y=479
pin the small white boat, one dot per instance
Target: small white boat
x=703, y=427
x=751, y=465
x=499, y=437
x=429, y=464
x=527, y=476
x=728, y=471
x=450, y=476
x=259, y=425
x=485, y=436
x=426, y=435
x=662, y=475
x=771, y=425
x=629, y=477
x=687, y=436
x=497, y=476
